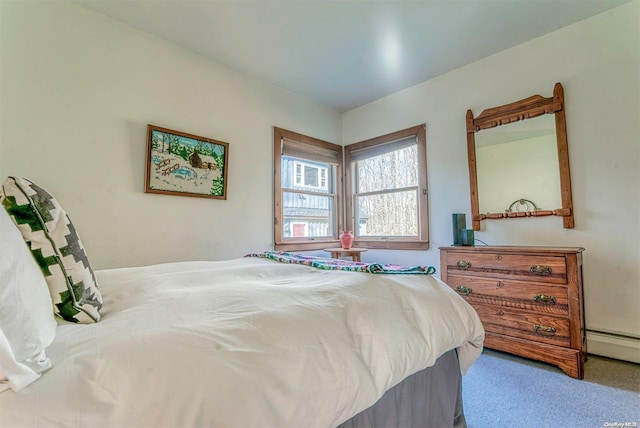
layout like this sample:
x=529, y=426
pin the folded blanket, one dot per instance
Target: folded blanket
x=337, y=264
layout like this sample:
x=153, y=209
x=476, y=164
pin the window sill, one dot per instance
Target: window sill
x=392, y=245
x=380, y=245
x=305, y=246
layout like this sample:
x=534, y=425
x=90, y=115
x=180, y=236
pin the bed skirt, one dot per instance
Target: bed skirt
x=430, y=398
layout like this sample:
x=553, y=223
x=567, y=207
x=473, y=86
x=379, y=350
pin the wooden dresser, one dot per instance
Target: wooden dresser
x=529, y=299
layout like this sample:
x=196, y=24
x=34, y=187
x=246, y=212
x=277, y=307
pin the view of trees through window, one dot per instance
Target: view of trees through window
x=386, y=192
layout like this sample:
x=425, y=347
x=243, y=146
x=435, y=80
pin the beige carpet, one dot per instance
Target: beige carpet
x=613, y=373
x=503, y=390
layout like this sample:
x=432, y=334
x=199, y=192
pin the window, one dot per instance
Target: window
x=386, y=190
x=310, y=176
x=308, y=191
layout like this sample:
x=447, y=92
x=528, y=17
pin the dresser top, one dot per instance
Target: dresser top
x=513, y=248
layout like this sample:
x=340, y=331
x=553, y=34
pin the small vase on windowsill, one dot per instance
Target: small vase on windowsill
x=346, y=239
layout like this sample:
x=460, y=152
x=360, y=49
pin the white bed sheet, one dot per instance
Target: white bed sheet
x=243, y=343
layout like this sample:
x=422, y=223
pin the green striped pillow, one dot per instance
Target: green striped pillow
x=57, y=248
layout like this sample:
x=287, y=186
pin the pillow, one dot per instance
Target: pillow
x=27, y=324
x=14, y=374
x=57, y=249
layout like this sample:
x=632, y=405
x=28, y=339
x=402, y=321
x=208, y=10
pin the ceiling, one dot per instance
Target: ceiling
x=345, y=54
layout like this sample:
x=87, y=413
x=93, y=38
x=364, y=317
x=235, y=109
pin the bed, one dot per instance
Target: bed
x=258, y=341
x=249, y=342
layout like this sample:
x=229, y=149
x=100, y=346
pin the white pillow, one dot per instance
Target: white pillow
x=13, y=374
x=27, y=322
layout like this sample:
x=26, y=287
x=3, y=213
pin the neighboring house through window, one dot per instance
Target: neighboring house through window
x=308, y=191
x=311, y=176
x=385, y=190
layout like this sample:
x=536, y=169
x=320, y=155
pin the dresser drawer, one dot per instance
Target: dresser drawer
x=546, y=268
x=524, y=324
x=532, y=292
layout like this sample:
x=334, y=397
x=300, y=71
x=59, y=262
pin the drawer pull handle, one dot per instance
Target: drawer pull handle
x=461, y=289
x=540, y=270
x=463, y=264
x=500, y=284
x=500, y=312
x=544, y=298
x=544, y=329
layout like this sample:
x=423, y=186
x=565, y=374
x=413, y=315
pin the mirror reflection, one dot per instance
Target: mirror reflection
x=518, y=161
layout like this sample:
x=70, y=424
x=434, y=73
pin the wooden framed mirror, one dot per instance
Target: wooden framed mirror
x=512, y=167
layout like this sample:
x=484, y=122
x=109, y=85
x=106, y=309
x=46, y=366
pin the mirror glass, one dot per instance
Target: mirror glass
x=518, y=161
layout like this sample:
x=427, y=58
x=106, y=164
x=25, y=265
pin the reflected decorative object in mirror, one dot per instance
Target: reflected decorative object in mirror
x=522, y=205
x=525, y=161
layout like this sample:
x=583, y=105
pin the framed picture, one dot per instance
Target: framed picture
x=185, y=164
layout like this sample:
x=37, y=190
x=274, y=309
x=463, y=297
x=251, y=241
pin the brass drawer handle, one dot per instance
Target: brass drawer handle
x=544, y=298
x=544, y=329
x=540, y=270
x=499, y=312
x=463, y=264
x=461, y=289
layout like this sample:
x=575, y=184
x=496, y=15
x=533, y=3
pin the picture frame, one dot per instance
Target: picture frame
x=184, y=164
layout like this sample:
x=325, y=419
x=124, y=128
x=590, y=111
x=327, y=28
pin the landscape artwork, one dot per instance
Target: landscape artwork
x=185, y=165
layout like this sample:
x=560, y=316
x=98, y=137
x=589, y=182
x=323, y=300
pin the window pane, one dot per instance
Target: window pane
x=307, y=215
x=310, y=176
x=387, y=214
x=391, y=170
x=299, y=174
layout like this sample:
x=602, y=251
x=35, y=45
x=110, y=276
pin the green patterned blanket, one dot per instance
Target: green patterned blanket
x=336, y=264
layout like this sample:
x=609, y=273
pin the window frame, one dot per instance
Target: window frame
x=344, y=217
x=309, y=243
x=421, y=242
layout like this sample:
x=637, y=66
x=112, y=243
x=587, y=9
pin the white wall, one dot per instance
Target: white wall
x=598, y=63
x=77, y=92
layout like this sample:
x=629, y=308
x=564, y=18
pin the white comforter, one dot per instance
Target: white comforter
x=243, y=343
